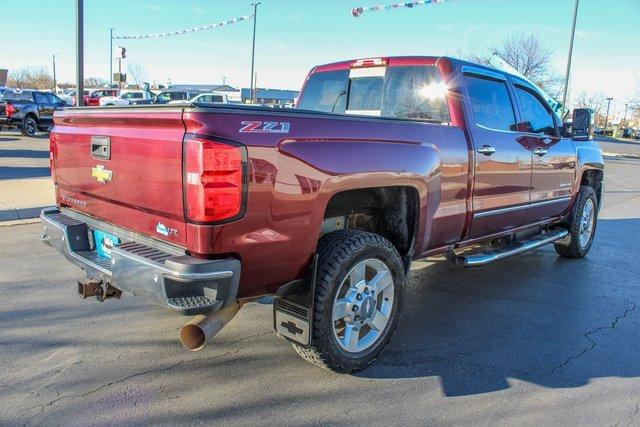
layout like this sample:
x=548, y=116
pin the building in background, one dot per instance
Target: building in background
x=232, y=93
x=280, y=97
x=3, y=76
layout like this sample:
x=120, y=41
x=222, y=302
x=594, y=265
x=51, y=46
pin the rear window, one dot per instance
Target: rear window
x=326, y=92
x=408, y=92
x=18, y=96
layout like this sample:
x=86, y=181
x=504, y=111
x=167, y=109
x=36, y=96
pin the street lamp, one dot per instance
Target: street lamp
x=253, y=49
x=53, y=57
x=606, y=120
x=573, y=35
x=111, y=58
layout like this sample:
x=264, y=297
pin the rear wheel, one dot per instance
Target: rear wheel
x=583, y=225
x=29, y=126
x=358, y=300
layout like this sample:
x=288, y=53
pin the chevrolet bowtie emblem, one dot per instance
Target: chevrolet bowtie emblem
x=101, y=174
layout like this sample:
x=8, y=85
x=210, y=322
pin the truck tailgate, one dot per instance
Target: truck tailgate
x=122, y=166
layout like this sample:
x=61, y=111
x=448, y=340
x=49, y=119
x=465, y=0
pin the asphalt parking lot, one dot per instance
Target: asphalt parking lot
x=531, y=340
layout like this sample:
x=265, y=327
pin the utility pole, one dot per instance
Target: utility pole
x=573, y=34
x=54, y=72
x=626, y=107
x=606, y=120
x=79, y=53
x=253, y=49
x=110, y=57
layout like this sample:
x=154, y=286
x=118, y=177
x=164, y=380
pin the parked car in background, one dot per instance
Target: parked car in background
x=93, y=99
x=175, y=95
x=29, y=110
x=323, y=207
x=206, y=98
x=133, y=97
x=65, y=96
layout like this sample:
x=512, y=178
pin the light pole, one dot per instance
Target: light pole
x=606, y=119
x=626, y=107
x=111, y=58
x=573, y=34
x=253, y=49
x=55, y=83
x=79, y=53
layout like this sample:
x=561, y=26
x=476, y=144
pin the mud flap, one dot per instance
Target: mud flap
x=293, y=308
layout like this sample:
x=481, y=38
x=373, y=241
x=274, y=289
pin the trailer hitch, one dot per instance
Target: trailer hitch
x=91, y=287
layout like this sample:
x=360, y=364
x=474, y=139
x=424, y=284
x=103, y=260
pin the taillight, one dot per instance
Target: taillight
x=53, y=138
x=214, y=178
x=9, y=110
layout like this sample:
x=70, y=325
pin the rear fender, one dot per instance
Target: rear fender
x=333, y=166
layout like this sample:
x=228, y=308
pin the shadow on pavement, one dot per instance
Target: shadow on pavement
x=5, y=139
x=26, y=154
x=532, y=317
x=16, y=172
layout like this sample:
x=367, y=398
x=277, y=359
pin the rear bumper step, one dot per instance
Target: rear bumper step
x=183, y=283
x=479, y=259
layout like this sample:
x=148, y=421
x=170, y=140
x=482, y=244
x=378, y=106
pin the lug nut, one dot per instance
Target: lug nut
x=355, y=308
x=357, y=318
x=359, y=297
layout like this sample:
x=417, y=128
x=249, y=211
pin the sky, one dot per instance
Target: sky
x=295, y=35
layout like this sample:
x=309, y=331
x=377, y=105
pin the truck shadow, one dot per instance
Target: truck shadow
x=25, y=154
x=18, y=172
x=536, y=317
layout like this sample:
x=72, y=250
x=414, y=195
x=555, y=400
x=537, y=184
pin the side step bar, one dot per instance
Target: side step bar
x=479, y=259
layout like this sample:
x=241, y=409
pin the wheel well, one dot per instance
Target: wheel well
x=31, y=115
x=593, y=178
x=391, y=212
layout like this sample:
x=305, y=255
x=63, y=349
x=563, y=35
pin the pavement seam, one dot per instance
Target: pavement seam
x=593, y=343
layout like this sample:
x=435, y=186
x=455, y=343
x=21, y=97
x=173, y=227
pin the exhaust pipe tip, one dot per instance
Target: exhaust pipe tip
x=195, y=334
x=192, y=337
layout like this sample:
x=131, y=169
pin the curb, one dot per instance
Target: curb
x=621, y=155
x=20, y=213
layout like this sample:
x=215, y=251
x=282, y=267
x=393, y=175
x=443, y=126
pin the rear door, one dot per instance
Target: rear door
x=502, y=158
x=554, y=158
x=46, y=107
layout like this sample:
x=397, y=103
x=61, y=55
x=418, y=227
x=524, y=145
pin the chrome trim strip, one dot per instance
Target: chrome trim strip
x=521, y=207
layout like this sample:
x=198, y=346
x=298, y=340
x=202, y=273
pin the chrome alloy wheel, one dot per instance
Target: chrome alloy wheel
x=362, y=306
x=587, y=222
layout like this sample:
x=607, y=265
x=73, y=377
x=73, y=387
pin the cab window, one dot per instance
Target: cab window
x=491, y=103
x=536, y=118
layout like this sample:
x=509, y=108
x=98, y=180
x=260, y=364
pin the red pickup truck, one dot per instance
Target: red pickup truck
x=204, y=207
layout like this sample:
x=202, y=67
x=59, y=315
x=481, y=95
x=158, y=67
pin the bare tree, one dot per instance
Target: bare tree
x=595, y=101
x=94, y=82
x=30, y=77
x=137, y=72
x=528, y=54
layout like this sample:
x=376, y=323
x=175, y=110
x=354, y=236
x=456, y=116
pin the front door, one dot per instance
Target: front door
x=503, y=161
x=554, y=158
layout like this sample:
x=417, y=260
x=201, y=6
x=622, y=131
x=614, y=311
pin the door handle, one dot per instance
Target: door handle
x=540, y=151
x=487, y=150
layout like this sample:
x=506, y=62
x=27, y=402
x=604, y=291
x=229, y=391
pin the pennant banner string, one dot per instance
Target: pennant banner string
x=187, y=31
x=356, y=12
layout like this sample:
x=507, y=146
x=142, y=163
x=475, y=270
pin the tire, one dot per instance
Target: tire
x=29, y=126
x=583, y=225
x=341, y=256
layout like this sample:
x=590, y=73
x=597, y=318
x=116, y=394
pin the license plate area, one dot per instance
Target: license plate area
x=104, y=242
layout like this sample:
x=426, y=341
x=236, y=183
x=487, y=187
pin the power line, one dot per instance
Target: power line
x=356, y=12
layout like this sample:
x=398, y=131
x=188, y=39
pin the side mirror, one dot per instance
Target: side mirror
x=583, y=122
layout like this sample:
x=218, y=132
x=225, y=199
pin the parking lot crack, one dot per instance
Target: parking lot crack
x=42, y=407
x=592, y=342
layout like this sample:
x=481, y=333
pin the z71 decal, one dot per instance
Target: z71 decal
x=265, y=127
